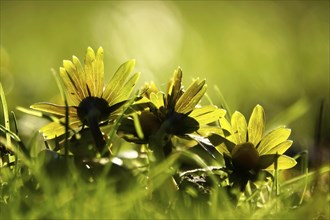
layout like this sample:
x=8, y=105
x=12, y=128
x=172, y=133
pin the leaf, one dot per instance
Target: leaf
x=191, y=97
x=239, y=127
x=256, y=125
x=53, y=109
x=5, y=113
x=118, y=80
x=272, y=139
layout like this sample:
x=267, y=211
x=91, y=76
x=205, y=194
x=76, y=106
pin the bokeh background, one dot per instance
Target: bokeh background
x=256, y=52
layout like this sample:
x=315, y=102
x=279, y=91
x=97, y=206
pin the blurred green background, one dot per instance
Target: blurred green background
x=256, y=52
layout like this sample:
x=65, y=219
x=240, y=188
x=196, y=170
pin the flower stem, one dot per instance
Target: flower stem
x=96, y=133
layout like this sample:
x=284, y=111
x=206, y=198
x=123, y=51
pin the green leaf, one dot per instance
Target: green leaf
x=272, y=139
x=137, y=126
x=191, y=97
x=5, y=113
x=118, y=80
x=256, y=125
x=239, y=126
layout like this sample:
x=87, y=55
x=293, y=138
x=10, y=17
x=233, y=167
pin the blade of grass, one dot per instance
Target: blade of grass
x=60, y=86
x=223, y=103
x=309, y=175
x=304, y=167
x=5, y=114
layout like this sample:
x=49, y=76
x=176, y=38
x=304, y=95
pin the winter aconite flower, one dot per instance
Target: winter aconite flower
x=90, y=102
x=164, y=119
x=247, y=150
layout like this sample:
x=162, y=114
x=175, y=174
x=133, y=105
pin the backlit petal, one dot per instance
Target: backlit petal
x=256, y=125
x=118, y=80
x=272, y=139
x=239, y=126
x=280, y=148
x=55, y=129
x=207, y=114
x=283, y=162
x=191, y=97
x=54, y=109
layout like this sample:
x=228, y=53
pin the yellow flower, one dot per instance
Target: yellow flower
x=173, y=116
x=90, y=102
x=246, y=146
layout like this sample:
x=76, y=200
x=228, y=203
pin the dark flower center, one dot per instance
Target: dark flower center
x=94, y=108
x=245, y=156
x=180, y=124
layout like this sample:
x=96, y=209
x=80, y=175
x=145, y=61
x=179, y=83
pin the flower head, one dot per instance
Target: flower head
x=248, y=153
x=90, y=102
x=247, y=146
x=170, y=116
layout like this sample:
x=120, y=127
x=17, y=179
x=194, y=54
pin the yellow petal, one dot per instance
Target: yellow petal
x=54, y=109
x=99, y=73
x=71, y=87
x=207, y=114
x=280, y=148
x=124, y=93
x=222, y=149
x=283, y=162
x=90, y=71
x=272, y=139
x=256, y=125
x=55, y=129
x=227, y=130
x=174, y=88
x=239, y=126
x=191, y=97
x=81, y=76
x=157, y=99
x=118, y=80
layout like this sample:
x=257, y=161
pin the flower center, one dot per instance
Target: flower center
x=93, y=108
x=245, y=156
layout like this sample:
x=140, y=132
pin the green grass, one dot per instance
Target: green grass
x=52, y=186
x=32, y=193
